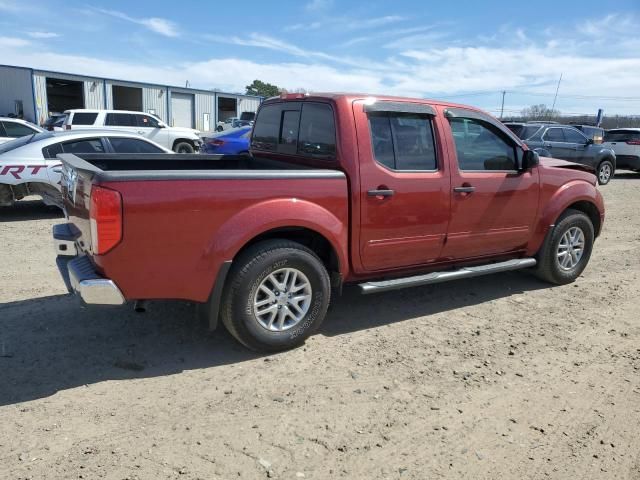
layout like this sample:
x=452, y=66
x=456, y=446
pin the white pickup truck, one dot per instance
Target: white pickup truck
x=178, y=139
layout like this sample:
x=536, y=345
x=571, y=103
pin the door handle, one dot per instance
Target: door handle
x=381, y=193
x=467, y=189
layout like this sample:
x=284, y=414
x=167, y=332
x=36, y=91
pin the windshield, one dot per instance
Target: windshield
x=19, y=142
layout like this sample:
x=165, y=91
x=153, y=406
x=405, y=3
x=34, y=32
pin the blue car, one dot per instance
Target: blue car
x=230, y=142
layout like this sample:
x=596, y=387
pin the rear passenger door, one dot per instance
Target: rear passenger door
x=493, y=206
x=122, y=121
x=404, y=185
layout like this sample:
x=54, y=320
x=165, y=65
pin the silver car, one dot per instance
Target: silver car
x=29, y=165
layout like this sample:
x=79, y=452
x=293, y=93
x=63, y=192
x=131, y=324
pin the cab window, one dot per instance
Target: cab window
x=481, y=146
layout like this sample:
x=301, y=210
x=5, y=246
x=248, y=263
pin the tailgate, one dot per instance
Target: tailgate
x=76, y=196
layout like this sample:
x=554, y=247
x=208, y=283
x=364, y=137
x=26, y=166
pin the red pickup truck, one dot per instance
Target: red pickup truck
x=384, y=192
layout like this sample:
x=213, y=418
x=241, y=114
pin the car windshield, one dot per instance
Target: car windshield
x=19, y=142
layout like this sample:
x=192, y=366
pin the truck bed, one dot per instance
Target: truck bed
x=183, y=216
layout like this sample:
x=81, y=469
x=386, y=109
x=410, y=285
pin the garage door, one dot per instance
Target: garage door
x=182, y=110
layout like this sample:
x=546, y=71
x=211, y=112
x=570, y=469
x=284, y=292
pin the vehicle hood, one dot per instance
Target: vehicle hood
x=554, y=170
x=185, y=131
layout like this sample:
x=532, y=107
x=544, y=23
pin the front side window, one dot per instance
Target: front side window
x=84, y=118
x=554, y=135
x=403, y=141
x=133, y=145
x=481, y=146
x=121, y=120
x=93, y=145
x=145, y=121
x=16, y=130
x=573, y=136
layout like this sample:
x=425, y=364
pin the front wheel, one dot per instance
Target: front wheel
x=183, y=147
x=567, y=249
x=605, y=172
x=277, y=295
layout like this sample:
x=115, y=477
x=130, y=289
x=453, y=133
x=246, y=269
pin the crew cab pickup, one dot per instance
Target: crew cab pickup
x=382, y=192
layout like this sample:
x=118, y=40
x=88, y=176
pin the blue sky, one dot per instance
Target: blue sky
x=465, y=51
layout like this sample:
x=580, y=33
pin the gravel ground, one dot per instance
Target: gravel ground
x=495, y=377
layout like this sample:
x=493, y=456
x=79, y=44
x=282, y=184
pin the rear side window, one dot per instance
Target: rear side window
x=121, y=120
x=317, y=131
x=267, y=128
x=93, y=145
x=16, y=130
x=403, y=141
x=573, y=136
x=52, y=150
x=84, y=118
x=133, y=145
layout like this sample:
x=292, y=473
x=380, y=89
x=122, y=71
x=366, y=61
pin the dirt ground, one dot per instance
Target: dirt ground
x=501, y=377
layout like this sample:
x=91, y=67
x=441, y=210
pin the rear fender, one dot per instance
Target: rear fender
x=260, y=218
x=565, y=196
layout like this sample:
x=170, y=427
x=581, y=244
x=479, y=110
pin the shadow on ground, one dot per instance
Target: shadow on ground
x=26, y=210
x=52, y=343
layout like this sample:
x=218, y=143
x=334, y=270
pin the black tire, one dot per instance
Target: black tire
x=219, y=128
x=183, y=147
x=549, y=268
x=248, y=272
x=605, y=172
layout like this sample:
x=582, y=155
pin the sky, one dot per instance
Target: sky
x=464, y=51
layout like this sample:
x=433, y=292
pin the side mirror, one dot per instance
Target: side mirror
x=529, y=160
x=161, y=125
x=589, y=141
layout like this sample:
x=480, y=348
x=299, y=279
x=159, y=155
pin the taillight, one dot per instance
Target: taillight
x=217, y=143
x=633, y=142
x=105, y=214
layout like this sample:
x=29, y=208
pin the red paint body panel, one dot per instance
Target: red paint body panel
x=177, y=233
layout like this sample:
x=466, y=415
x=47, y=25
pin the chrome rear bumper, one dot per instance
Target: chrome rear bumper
x=79, y=274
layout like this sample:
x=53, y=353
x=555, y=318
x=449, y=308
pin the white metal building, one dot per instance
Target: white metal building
x=34, y=94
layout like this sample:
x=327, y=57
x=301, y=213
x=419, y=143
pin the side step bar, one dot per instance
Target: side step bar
x=439, y=277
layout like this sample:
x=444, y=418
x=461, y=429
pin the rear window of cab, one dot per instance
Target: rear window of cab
x=296, y=128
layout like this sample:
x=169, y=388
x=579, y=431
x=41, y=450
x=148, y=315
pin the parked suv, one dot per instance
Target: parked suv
x=625, y=142
x=568, y=143
x=178, y=139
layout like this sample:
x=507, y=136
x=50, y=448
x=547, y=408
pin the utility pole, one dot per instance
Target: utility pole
x=556, y=97
x=504, y=92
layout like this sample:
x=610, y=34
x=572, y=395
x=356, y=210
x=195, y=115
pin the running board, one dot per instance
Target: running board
x=439, y=277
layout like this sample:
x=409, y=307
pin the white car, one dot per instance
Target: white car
x=29, y=165
x=180, y=140
x=11, y=128
x=626, y=143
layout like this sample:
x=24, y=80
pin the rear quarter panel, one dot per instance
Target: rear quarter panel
x=177, y=233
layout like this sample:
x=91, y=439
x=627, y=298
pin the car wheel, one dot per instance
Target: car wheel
x=277, y=294
x=605, y=172
x=219, y=128
x=183, y=147
x=567, y=249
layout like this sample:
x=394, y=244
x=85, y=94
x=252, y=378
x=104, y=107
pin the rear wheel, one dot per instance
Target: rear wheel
x=605, y=172
x=567, y=249
x=277, y=295
x=183, y=147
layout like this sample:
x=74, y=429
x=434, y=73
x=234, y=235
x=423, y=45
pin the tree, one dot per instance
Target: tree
x=539, y=112
x=263, y=89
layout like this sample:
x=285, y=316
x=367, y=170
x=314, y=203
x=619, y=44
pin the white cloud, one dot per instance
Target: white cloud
x=11, y=6
x=42, y=35
x=161, y=26
x=346, y=23
x=12, y=42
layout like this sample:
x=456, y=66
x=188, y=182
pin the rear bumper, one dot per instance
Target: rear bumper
x=78, y=272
